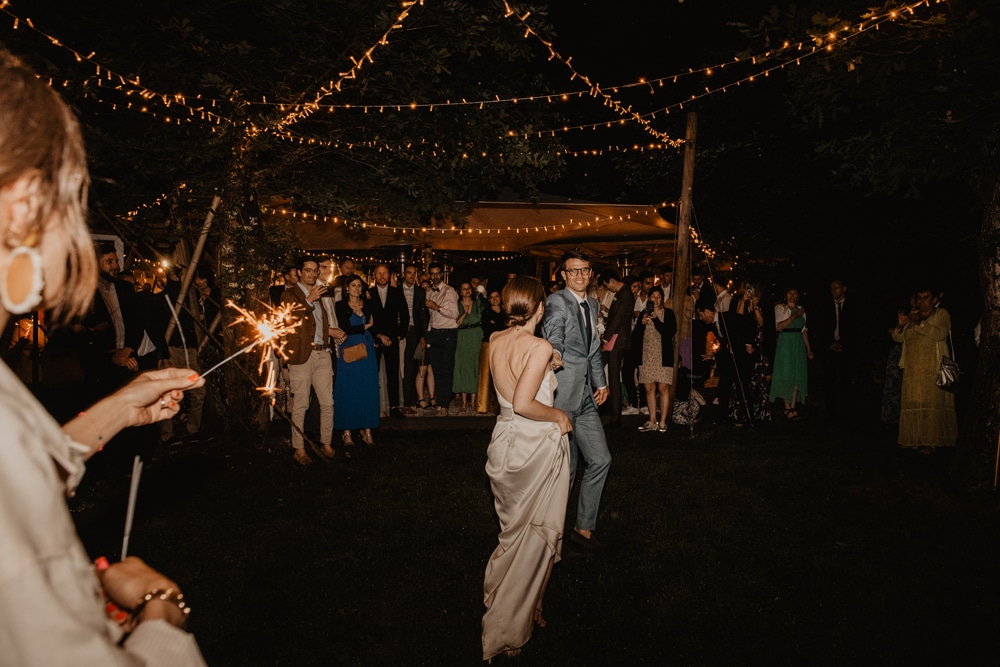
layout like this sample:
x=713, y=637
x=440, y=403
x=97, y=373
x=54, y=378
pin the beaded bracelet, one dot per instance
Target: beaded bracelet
x=168, y=595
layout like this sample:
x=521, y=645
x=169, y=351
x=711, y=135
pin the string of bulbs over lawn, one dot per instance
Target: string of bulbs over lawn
x=298, y=112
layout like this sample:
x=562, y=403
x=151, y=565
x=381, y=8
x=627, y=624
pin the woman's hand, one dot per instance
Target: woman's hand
x=154, y=395
x=127, y=582
x=565, y=425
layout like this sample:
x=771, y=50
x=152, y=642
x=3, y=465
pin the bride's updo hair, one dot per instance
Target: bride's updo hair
x=521, y=297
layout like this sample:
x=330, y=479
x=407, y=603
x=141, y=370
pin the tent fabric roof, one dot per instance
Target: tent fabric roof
x=544, y=230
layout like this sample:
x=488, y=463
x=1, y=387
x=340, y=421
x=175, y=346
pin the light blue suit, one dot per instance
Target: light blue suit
x=582, y=372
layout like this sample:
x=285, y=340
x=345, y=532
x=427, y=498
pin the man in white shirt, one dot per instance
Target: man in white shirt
x=442, y=334
x=667, y=284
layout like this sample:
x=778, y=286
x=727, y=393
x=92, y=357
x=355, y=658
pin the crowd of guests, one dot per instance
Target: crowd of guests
x=427, y=350
x=405, y=345
x=757, y=354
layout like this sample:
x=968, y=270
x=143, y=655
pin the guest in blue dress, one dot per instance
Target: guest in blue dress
x=356, y=394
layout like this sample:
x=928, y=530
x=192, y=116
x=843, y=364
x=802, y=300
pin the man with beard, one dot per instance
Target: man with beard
x=114, y=326
x=119, y=348
x=309, y=362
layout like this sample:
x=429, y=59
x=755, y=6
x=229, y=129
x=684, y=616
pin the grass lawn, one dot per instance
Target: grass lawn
x=790, y=544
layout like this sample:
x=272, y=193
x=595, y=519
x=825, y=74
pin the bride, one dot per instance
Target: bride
x=528, y=467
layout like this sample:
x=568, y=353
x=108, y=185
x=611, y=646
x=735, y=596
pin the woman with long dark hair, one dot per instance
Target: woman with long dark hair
x=356, y=394
x=656, y=328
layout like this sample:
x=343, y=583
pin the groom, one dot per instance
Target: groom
x=570, y=325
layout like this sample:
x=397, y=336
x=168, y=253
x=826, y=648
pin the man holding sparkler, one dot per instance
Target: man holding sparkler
x=309, y=363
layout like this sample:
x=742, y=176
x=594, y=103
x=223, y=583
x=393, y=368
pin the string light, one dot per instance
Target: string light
x=595, y=89
x=820, y=45
x=107, y=78
x=378, y=228
x=120, y=81
x=352, y=73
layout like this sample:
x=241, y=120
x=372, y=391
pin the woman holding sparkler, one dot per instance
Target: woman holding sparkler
x=356, y=394
x=50, y=598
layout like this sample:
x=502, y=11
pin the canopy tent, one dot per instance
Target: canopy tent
x=613, y=232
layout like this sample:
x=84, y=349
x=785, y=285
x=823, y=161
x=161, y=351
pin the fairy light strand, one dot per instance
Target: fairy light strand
x=116, y=80
x=595, y=90
x=352, y=73
x=429, y=230
x=108, y=79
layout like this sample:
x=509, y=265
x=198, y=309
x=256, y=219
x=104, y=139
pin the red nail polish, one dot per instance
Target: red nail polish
x=193, y=378
x=120, y=617
x=102, y=564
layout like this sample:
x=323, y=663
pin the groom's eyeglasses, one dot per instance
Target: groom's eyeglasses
x=584, y=271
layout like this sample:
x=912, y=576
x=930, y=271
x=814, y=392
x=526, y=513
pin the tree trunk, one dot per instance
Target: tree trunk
x=975, y=463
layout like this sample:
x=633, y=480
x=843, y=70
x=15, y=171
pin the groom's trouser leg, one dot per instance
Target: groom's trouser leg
x=588, y=443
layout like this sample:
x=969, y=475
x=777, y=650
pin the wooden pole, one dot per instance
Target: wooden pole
x=195, y=256
x=682, y=265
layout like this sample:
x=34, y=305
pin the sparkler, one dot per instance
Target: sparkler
x=270, y=327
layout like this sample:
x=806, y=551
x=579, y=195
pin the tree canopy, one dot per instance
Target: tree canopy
x=192, y=92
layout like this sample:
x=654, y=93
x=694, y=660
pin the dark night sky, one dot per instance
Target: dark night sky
x=622, y=40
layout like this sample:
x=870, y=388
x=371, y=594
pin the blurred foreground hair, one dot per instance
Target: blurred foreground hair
x=40, y=140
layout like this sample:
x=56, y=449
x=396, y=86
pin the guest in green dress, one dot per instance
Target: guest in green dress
x=465, y=382
x=790, y=378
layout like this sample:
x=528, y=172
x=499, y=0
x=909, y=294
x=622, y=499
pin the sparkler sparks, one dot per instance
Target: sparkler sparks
x=270, y=328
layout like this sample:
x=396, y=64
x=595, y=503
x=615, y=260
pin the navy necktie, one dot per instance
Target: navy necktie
x=586, y=319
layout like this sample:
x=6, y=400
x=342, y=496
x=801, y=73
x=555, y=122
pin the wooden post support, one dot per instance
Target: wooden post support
x=193, y=264
x=682, y=265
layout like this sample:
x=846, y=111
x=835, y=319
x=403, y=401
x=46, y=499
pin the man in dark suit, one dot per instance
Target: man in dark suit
x=617, y=327
x=115, y=326
x=390, y=323
x=835, y=331
x=123, y=340
x=720, y=325
x=416, y=309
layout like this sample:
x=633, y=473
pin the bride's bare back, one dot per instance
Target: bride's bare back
x=510, y=352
